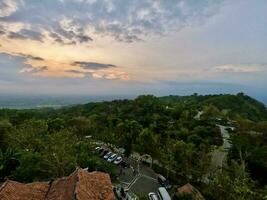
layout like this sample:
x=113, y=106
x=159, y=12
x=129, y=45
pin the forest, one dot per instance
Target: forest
x=43, y=144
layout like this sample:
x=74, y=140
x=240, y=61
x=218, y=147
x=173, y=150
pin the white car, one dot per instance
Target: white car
x=112, y=157
x=106, y=156
x=153, y=196
x=118, y=160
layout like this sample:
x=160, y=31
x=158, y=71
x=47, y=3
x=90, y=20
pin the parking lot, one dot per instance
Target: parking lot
x=139, y=182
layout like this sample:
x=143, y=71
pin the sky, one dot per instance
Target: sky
x=117, y=47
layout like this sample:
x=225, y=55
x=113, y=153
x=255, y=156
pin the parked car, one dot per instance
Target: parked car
x=104, y=152
x=118, y=160
x=106, y=156
x=153, y=196
x=112, y=157
x=164, y=182
x=163, y=194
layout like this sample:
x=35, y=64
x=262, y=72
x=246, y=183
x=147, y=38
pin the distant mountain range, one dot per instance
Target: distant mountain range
x=57, y=101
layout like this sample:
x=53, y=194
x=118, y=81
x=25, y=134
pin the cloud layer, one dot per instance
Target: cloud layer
x=30, y=28
x=74, y=21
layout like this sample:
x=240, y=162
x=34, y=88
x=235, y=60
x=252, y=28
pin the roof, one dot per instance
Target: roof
x=12, y=190
x=80, y=185
x=189, y=189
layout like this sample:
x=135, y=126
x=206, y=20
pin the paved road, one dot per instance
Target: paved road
x=226, y=137
x=219, y=155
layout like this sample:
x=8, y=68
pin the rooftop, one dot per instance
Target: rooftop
x=80, y=185
x=189, y=189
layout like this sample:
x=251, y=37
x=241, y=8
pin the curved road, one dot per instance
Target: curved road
x=219, y=155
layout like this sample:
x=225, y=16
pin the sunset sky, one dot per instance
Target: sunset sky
x=115, y=47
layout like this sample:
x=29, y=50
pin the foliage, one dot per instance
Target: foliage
x=47, y=143
x=232, y=183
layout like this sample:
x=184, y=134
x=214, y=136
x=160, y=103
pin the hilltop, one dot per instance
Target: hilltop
x=235, y=105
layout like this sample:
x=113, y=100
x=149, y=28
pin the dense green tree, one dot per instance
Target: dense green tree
x=81, y=125
x=5, y=127
x=129, y=131
x=32, y=167
x=148, y=143
x=232, y=183
x=56, y=124
x=8, y=162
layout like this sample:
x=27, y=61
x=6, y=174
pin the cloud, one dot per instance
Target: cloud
x=74, y=21
x=28, y=56
x=7, y=7
x=34, y=70
x=98, y=70
x=75, y=71
x=67, y=32
x=245, y=68
x=92, y=65
x=26, y=34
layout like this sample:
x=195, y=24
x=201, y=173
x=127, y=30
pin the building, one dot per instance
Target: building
x=189, y=189
x=80, y=185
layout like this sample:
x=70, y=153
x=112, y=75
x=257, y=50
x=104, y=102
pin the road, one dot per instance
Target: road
x=219, y=155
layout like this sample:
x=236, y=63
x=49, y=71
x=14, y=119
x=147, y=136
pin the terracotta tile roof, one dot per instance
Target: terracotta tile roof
x=12, y=190
x=189, y=189
x=63, y=188
x=94, y=185
x=80, y=185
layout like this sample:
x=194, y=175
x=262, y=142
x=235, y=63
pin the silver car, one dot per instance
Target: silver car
x=112, y=157
x=118, y=160
x=106, y=156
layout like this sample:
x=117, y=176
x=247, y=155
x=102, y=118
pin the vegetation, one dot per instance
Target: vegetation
x=47, y=143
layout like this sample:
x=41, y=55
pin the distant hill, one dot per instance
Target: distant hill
x=237, y=105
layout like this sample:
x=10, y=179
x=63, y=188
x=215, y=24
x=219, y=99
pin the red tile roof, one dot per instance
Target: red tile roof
x=189, y=189
x=80, y=185
x=12, y=190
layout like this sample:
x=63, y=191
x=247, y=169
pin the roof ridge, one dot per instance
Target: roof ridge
x=47, y=192
x=79, y=170
x=4, y=184
x=74, y=196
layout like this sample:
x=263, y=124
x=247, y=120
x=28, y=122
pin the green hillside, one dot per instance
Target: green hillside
x=236, y=105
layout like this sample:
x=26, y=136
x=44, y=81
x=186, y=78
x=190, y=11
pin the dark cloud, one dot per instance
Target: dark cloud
x=92, y=65
x=34, y=35
x=65, y=35
x=15, y=35
x=75, y=71
x=28, y=56
x=84, y=38
x=26, y=34
x=56, y=38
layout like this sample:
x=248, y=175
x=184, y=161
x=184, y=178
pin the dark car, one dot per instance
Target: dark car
x=164, y=182
x=100, y=150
